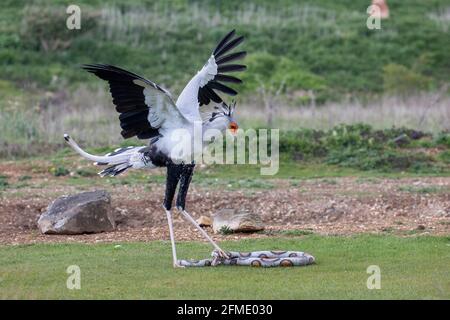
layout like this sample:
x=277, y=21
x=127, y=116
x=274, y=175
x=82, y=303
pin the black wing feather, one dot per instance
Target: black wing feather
x=228, y=43
x=128, y=98
x=221, y=87
x=212, y=95
x=224, y=41
x=229, y=46
x=231, y=68
x=231, y=57
x=227, y=78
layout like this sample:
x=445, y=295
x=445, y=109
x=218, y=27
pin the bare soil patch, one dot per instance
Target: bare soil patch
x=406, y=206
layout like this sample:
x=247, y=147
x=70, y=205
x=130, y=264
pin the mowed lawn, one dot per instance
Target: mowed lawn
x=411, y=268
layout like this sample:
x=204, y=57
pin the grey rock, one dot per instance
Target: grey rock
x=237, y=221
x=87, y=212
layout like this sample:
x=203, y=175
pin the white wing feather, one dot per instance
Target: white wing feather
x=187, y=102
x=163, y=112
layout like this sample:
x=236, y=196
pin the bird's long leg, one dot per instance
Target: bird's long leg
x=172, y=239
x=173, y=176
x=203, y=232
x=185, y=180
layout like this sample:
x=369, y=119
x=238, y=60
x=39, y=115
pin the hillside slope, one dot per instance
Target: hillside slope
x=326, y=42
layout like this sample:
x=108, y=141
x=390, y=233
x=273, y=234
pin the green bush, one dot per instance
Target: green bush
x=444, y=156
x=359, y=146
x=443, y=139
x=302, y=144
x=281, y=75
x=59, y=171
x=44, y=27
x=399, y=79
x=3, y=182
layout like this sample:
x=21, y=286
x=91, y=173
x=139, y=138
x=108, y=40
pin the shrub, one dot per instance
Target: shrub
x=302, y=144
x=359, y=146
x=225, y=230
x=445, y=156
x=399, y=79
x=443, y=139
x=44, y=27
x=59, y=171
x=279, y=74
x=3, y=182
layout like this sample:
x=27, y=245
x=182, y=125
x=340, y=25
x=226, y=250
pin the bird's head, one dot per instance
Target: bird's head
x=222, y=118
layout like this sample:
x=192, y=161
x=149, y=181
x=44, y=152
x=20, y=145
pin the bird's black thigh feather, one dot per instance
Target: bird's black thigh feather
x=175, y=173
x=185, y=181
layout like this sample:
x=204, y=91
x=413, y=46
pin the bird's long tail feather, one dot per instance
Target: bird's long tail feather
x=100, y=159
x=119, y=159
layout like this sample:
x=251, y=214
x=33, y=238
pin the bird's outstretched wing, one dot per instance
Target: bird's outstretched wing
x=201, y=89
x=145, y=108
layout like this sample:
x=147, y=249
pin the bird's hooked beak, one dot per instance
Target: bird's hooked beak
x=233, y=127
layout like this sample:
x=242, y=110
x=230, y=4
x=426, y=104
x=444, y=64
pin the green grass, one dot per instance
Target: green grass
x=305, y=170
x=411, y=268
x=425, y=190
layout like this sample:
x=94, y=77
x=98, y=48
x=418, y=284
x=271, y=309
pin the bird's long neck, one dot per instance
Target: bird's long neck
x=209, y=129
x=213, y=125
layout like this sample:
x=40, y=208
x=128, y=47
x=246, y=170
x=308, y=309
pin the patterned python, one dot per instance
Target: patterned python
x=254, y=259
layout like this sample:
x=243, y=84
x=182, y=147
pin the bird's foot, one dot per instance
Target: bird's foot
x=219, y=256
x=177, y=265
x=222, y=254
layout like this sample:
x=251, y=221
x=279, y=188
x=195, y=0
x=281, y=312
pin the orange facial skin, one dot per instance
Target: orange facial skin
x=233, y=127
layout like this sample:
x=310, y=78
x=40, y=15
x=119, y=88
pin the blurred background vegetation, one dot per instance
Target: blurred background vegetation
x=312, y=66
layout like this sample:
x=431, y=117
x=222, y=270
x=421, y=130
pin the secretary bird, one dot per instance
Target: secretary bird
x=148, y=111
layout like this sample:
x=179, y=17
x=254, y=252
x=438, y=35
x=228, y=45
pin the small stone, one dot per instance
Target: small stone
x=237, y=221
x=204, y=221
